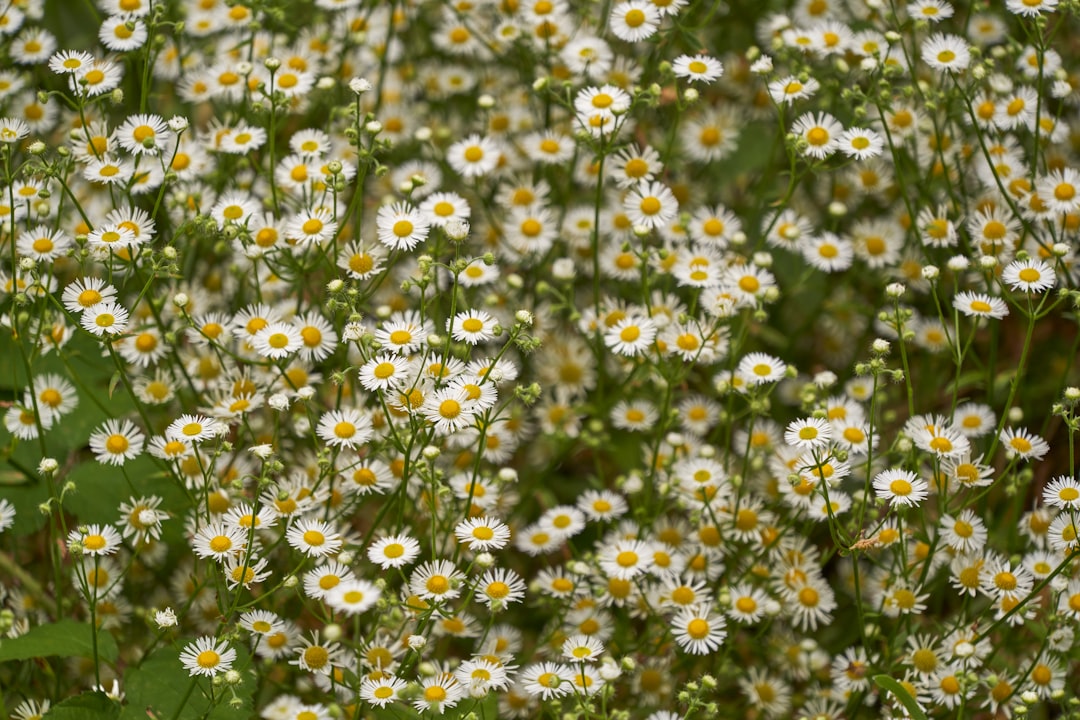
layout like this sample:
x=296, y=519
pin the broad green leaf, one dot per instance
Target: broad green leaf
x=99, y=488
x=88, y=706
x=893, y=685
x=161, y=686
x=25, y=497
x=66, y=638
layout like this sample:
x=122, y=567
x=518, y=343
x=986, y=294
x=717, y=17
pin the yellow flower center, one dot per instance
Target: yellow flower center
x=208, y=659
x=1020, y=444
x=116, y=443
x=449, y=408
x=901, y=488
x=697, y=629
x=316, y=657
x=817, y=136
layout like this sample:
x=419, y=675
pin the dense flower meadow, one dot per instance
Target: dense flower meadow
x=621, y=360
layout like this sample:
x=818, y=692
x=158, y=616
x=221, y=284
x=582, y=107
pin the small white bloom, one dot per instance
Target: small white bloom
x=165, y=618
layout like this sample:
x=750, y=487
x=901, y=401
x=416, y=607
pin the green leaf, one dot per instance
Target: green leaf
x=99, y=488
x=26, y=498
x=113, y=382
x=162, y=687
x=88, y=706
x=66, y=638
x=893, y=685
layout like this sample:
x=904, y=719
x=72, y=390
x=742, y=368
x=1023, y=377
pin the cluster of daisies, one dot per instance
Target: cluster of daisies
x=468, y=351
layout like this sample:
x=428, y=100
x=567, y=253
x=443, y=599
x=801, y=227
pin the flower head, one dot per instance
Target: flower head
x=207, y=657
x=900, y=487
